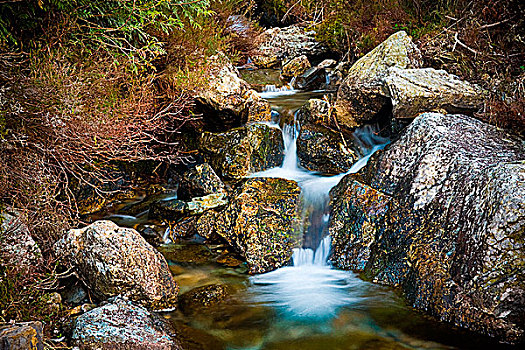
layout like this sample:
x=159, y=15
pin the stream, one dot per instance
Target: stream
x=308, y=305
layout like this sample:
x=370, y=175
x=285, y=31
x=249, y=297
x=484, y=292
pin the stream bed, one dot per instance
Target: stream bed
x=308, y=305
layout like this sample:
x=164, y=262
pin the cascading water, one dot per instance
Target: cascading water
x=311, y=289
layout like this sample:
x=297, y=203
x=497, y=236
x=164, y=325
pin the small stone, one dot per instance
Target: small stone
x=21, y=336
x=202, y=297
x=295, y=67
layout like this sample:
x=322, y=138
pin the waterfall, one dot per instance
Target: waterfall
x=271, y=91
x=311, y=289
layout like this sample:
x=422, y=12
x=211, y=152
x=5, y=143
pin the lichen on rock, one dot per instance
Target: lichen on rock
x=362, y=93
x=440, y=213
x=261, y=222
x=112, y=260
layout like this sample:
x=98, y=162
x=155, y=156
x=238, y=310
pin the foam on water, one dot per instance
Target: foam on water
x=271, y=91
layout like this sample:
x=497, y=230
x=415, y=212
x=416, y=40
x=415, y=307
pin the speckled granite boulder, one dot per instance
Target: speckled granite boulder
x=226, y=100
x=362, y=93
x=112, y=260
x=119, y=324
x=414, y=91
x=17, y=247
x=440, y=213
x=323, y=150
x=261, y=222
x=21, y=336
x=241, y=151
x=295, y=67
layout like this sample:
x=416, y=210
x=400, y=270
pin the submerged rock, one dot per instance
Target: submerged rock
x=295, y=67
x=362, y=94
x=199, y=181
x=226, y=100
x=323, y=150
x=112, y=260
x=119, y=324
x=414, y=91
x=241, y=151
x=21, y=336
x=286, y=43
x=17, y=247
x=260, y=222
x=203, y=297
x=440, y=213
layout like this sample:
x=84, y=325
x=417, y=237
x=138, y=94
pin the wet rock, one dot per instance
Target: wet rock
x=261, y=221
x=257, y=108
x=363, y=93
x=112, y=260
x=241, y=151
x=314, y=111
x=440, y=214
x=120, y=324
x=75, y=294
x=205, y=224
x=184, y=228
x=279, y=44
x=187, y=253
x=323, y=150
x=312, y=79
x=199, y=205
x=414, y=91
x=202, y=297
x=17, y=247
x=295, y=67
x=21, y=336
x=226, y=99
x=357, y=218
x=199, y=181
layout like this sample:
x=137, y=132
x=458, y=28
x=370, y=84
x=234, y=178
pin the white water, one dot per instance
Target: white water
x=271, y=91
x=311, y=289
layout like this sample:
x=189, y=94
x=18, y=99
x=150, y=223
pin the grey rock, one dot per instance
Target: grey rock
x=363, y=94
x=17, y=247
x=119, y=324
x=414, y=91
x=112, y=260
x=199, y=181
x=440, y=213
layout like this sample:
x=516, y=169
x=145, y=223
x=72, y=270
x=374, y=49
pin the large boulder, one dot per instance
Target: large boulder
x=21, y=336
x=112, y=260
x=17, y=247
x=440, y=213
x=414, y=91
x=119, y=324
x=279, y=44
x=362, y=95
x=241, y=151
x=261, y=222
x=323, y=150
x=226, y=100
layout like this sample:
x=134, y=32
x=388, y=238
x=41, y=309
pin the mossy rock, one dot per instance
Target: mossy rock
x=261, y=222
x=241, y=151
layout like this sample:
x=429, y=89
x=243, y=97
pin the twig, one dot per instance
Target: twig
x=464, y=45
